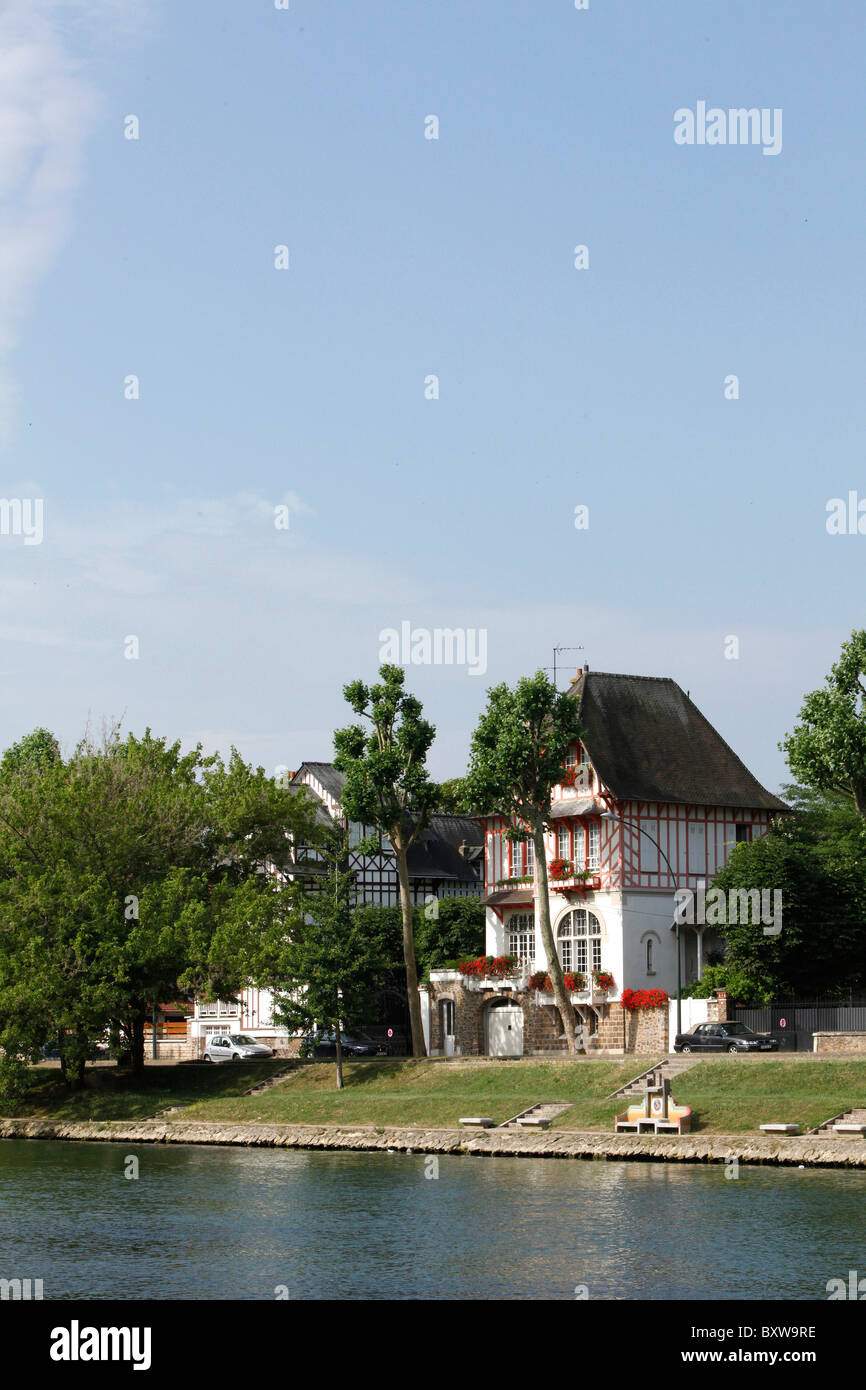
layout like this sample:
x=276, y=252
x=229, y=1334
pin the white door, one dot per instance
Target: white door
x=505, y=1032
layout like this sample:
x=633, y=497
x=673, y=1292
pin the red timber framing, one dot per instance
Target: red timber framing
x=696, y=839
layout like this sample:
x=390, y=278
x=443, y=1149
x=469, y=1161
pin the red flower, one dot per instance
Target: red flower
x=644, y=999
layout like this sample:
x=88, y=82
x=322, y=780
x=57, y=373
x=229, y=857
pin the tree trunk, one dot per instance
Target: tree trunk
x=415, y=1022
x=137, y=1040
x=542, y=909
x=338, y=1039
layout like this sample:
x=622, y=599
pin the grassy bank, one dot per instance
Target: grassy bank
x=727, y=1094
x=113, y=1094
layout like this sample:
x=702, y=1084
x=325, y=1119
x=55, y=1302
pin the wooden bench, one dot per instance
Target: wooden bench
x=477, y=1121
x=780, y=1129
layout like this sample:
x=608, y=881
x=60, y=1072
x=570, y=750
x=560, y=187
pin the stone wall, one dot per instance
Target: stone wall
x=644, y=1031
x=839, y=1042
x=553, y=1143
x=717, y=1008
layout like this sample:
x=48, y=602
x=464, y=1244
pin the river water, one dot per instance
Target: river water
x=213, y=1223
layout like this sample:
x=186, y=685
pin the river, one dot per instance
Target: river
x=211, y=1223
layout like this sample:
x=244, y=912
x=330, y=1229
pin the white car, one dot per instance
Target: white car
x=234, y=1047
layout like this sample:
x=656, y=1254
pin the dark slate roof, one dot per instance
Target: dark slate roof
x=326, y=775
x=649, y=742
x=436, y=853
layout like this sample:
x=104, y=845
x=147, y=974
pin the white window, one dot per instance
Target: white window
x=563, y=842
x=530, y=857
x=594, y=845
x=579, y=846
x=521, y=937
x=579, y=941
x=570, y=758
x=516, y=859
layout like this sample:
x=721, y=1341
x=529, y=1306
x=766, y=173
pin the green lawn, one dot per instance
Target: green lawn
x=427, y=1093
x=110, y=1094
x=737, y=1094
x=726, y=1094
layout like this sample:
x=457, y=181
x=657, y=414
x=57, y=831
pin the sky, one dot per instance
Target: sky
x=248, y=470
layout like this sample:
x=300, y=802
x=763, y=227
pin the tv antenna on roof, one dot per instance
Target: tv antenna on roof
x=556, y=651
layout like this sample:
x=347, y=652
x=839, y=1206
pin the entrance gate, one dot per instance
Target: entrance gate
x=505, y=1030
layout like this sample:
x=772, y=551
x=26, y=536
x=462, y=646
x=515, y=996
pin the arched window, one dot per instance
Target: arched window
x=520, y=937
x=649, y=957
x=579, y=941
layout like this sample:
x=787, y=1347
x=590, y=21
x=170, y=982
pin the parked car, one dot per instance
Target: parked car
x=97, y=1051
x=325, y=1045
x=234, y=1047
x=724, y=1037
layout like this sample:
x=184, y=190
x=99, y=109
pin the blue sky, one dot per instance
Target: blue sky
x=409, y=257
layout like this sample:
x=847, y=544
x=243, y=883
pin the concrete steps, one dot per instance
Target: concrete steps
x=856, y=1116
x=537, y=1116
x=668, y=1067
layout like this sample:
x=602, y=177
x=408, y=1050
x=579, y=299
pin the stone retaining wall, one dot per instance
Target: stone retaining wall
x=839, y=1042
x=807, y=1150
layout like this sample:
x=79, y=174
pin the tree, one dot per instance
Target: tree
x=516, y=758
x=31, y=754
x=388, y=787
x=329, y=965
x=821, y=947
x=449, y=929
x=453, y=797
x=129, y=873
x=827, y=749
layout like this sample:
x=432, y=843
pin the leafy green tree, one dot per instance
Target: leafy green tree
x=329, y=965
x=388, y=788
x=741, y=988
x=129, y=874
x=454, y=797
x=33, y=753
x=821, y=948
x=449, y=929
x=517, y=756
x=827, y=749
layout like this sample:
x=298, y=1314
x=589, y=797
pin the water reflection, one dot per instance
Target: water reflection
x=237, y=1223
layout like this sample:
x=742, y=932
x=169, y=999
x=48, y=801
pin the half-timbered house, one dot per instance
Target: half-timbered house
x=445, y=861
x=652, y=800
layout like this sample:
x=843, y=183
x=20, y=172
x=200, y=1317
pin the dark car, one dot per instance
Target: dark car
x=325, y=1045
x=724, y=1037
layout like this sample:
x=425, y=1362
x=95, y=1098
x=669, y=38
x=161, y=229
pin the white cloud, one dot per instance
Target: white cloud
x=48, y=106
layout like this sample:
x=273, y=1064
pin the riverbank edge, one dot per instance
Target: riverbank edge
x=806, y=1150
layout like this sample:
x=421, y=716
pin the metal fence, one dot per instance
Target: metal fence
x=794, y=1022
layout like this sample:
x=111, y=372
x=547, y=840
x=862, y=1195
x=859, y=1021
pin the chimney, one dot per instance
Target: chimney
x=586, y=668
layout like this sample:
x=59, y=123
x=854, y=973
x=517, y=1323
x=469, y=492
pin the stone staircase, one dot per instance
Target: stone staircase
x=537, y=1116
x=856, y=1116
x=668, y=1067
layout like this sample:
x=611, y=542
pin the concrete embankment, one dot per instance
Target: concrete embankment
x=809, y=1150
